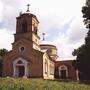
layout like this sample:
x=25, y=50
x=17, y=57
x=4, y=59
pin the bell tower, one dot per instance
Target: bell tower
x=27, y=28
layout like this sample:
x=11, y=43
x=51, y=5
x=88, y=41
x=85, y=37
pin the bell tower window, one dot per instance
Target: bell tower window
x=35, y=30
x=24, y=26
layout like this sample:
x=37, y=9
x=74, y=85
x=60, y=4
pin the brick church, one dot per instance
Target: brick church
x=29, y=58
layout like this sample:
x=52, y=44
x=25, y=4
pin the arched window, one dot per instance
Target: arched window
x=24, y=26
x=46, y=67
x=35, y=30
x=51, y=69
x=19, y=62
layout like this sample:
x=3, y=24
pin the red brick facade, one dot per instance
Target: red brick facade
x=70, y=69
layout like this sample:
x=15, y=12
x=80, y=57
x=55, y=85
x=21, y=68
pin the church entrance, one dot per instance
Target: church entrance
x=21, y=71
x=20, y=68
x=63, y=74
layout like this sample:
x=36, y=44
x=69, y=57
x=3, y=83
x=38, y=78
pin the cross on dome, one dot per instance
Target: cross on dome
x=43, y=36
x=28, y=7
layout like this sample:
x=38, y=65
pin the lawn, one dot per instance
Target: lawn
x=39, y=84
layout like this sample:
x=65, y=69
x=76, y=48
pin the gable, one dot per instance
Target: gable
x=22, y=41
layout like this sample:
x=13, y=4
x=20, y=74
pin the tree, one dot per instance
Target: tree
x=83, y=52
x=84, y=58
x=2, y=54
x=79, y=50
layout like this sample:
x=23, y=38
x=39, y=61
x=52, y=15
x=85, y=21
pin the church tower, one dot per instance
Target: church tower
x=27, y=59
x=27, y=29
x=23, y=59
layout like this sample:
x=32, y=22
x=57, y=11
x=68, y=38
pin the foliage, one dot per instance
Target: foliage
x=83, y=52
x=86, y=14
x=39, y=84
x=2, y=54
x=79, y=50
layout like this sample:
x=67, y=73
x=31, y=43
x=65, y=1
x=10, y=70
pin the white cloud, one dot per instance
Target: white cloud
x=76, y=31
x=1, y=7
x=51, y=14
x=6, y=38
x=71, y=39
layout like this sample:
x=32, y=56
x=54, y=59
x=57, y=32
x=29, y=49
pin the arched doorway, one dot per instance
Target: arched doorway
x=63, y=72
x=21, y=71
x=20, y=68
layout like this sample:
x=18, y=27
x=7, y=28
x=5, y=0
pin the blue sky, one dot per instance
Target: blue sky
x=60, y=20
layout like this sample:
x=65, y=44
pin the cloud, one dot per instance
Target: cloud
x=9, y=12
x=1, y=9
x=77, y=31
x=6, y=38
x=59, y=19
x=71, y=39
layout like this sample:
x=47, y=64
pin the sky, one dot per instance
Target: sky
x=60, y=20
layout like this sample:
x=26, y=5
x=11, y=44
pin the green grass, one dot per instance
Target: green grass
x=39, y=84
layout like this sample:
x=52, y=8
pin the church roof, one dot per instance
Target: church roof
x=47, y=44
x=28, y=14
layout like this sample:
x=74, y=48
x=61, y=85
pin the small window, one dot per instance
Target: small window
x=22, y=49
x=19, y=62
x=51, y=69
x=36, y=40
x=46, y=67
x=35, y=30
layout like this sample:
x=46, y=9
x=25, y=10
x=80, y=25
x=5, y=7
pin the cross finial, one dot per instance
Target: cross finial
x=28, y=7
x=43, y=36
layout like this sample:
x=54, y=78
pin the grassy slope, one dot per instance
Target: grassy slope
x=39, y=84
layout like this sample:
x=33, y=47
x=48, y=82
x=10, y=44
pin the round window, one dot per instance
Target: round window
x=21, y=49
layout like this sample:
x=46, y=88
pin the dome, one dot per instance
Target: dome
x=51, y=49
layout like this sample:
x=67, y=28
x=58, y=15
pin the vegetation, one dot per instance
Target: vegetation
x=39, y=84
x=2, y=54
x=83, y=52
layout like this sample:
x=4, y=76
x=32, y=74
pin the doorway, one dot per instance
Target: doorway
x=21, y=71
x=20, y=67
x=63, y=74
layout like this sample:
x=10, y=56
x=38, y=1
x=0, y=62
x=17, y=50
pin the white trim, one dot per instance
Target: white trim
x=15, y=65
x=63, y=67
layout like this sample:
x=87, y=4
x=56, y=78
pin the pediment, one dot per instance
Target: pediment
x=22, y=41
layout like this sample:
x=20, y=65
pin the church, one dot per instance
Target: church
x=28, y=58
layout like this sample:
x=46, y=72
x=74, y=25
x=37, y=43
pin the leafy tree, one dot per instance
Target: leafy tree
x=2, y=54
x=79, y=50
x=83, y=52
